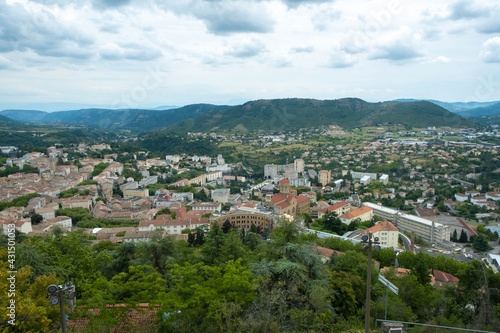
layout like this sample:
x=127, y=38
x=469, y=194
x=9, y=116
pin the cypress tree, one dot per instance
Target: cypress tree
x=463, y=237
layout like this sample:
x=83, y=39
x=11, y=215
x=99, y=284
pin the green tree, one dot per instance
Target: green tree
x=386, y=256
x=140, y=284
x=332, y=222
x=421, y=269
x=207, y=298
x=252, y=240
x=33, y=310
x=214, y=244
x=406, y=259
x=481, y=243
x=463, y=237
x=36, y=218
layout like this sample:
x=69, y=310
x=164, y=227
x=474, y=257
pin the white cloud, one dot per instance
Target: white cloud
x=491, y=50
x=340, y=59
x=223, y=50
x=398, y=46
x=437, y=60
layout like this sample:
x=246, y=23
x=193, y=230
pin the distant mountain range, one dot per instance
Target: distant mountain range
x=272, y=115
x=465, y=109
x=131, y=119
x=294, y=113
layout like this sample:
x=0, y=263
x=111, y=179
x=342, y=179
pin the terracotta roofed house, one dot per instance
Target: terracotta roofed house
x=386, y=232
x=364, y=214
x=340, y=208
x=443, y=279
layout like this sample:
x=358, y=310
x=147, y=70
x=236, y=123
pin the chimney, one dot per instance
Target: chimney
x=432, y=233
x=412, y=244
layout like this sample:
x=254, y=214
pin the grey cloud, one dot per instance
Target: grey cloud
x=5, y=63
x=340, y=63
x=67, y=51
x=40, y=32
x=225, y=17
x=491, y=25
x=110, y=3
x=432, y=34
x=396, y=52
x=302, y=49
x=111, y=28
x=296, y=3
x=467, y=9
x=340, y=59
x=247, y=50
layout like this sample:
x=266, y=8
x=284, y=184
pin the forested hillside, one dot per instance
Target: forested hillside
x=282, y=114
x=137, y=120
x=225, y=280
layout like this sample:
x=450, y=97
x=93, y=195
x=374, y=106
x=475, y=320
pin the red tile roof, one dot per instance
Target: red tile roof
x=284, y=181
x=356, y=213
x=283, y=204
x=334, y=207
x=277, y=198
x=323, y=251
x=445, y=277
x=301, y=199
x=386, y=225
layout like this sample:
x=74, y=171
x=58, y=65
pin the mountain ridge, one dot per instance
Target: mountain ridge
x=294, y=113
x=258, y=115
x=139, y=120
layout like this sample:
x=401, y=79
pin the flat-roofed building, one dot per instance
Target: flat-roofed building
x=220, y=195
x=325, y=177
x=211, y=206
x=172, y=226
x=384, y=179
x=244, y=217
x=136, y=193
x=430, y=231
x=299, y=165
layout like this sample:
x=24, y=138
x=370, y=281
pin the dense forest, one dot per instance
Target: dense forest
x=293, y=113
x=227, y=280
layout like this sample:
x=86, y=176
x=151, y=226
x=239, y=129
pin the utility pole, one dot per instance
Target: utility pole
x=57, y=295
x=367, y=239
x=63, y=313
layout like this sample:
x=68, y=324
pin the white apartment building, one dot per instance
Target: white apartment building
x=430, y=231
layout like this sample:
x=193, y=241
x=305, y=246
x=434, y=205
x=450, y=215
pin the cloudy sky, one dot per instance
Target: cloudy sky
x=146, y=53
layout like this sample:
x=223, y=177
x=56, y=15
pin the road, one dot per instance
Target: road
x=457, y=256
x=406, y=241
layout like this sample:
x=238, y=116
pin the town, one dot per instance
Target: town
x=435, y=191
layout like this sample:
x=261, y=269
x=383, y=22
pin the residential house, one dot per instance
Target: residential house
x=443, y=279
x=340, y=208
x=386, y=232
x=363, y=214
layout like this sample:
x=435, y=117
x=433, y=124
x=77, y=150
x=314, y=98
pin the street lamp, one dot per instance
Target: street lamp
x=369, y=241
x=57, y=294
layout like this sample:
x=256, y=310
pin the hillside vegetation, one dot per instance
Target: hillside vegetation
x=280, y=114
x=131, y=119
